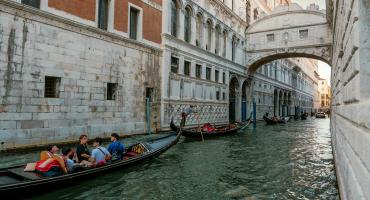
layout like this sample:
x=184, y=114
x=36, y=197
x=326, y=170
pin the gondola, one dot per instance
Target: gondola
x=304, y=116
x=221, y=130
x=15, y=183
x=284, y=120
x=270, y=121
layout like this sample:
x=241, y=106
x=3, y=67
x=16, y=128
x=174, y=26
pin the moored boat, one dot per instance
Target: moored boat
x=15, y=182
x=221, y=130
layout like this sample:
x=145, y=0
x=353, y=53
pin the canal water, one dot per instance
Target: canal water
x=292, y=161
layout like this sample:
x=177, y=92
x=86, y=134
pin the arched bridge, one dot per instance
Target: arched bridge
x=290, y=33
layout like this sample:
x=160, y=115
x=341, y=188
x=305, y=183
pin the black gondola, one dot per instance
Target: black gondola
x=14, y=182
x=221, y=130
x=304, y=116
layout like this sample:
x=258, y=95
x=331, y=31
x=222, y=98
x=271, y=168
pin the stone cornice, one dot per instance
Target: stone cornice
x=227, y=10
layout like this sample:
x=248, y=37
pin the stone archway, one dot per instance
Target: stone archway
x=233, y=98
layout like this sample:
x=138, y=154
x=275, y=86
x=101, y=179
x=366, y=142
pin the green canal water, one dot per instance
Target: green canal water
x=292, y=161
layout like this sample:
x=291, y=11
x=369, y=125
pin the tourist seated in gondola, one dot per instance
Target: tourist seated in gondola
x=116, y=148
x=67, y=156
x=208, y=128
x=49, y=153
x=82, y=151
x=51, y=164
x=100, y=155
x=275, y=118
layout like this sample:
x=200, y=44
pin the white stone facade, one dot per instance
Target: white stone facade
x=35, y=44
x=208, y=91
x=350, y=122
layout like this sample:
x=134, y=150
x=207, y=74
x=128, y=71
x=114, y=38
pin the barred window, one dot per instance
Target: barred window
x=270, y=37
x=111, y=91
x=303, y=33
x=51, y=87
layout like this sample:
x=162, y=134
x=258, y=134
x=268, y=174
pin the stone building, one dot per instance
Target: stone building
x=286, y=86
x=203, y=52
x=77, y=66
x=325, y=94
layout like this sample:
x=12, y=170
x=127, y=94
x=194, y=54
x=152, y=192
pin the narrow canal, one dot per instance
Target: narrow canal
x=292, y=161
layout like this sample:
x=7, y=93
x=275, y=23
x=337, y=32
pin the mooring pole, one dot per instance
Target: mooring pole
x=148, y=114
x=254, y=115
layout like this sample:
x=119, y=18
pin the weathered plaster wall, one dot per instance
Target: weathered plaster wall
x=350, y=125
x=35, y=44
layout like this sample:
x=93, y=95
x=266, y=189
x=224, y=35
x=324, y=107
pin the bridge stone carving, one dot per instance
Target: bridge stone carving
x=289, y=33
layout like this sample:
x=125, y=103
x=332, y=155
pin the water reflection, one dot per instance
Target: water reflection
x=292, y=161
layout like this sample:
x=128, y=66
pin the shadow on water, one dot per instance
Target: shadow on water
x=292, y=161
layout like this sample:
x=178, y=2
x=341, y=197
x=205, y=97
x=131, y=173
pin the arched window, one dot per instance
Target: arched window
x=217, y=40
x=224, y=38
x=174, y=17
x=187, y=24
x=209, y=35
x=199, y=26
x=233, y=49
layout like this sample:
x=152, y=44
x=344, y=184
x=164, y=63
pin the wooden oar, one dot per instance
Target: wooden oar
x=201, y=134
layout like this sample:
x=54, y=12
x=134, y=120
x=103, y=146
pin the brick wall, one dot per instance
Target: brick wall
x=81, y=8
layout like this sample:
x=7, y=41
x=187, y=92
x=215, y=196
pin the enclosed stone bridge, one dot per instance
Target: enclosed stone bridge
x=286, y=34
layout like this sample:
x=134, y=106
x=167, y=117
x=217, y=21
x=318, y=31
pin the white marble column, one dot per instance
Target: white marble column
x=181, y=25
x=193, y=30
x=181, y=65
x=213, y=40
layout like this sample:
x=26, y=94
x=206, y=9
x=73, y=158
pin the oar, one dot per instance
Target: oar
x=201, y=134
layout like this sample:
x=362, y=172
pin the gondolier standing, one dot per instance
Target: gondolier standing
x=185, y=113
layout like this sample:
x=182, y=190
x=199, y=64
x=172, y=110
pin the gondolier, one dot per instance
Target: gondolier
x=185, y=113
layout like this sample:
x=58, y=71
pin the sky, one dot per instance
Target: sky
x=324, y=71
x=305, y=3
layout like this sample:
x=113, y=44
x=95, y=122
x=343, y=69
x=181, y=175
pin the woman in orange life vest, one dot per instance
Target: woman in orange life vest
x=50, y=163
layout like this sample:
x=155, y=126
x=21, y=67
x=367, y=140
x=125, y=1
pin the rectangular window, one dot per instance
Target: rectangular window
x=187, y=66
x=33, y=3
x=217, y=95
x=208, y=73
x=223, y=96
x=134, y=21
x=198, y=72
x=270, y=37
x=217, y=74
x=51, y=87
x=174, y=65
x=111, y=91
x=103, y=14
x=303, y=33
x=224, y=78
